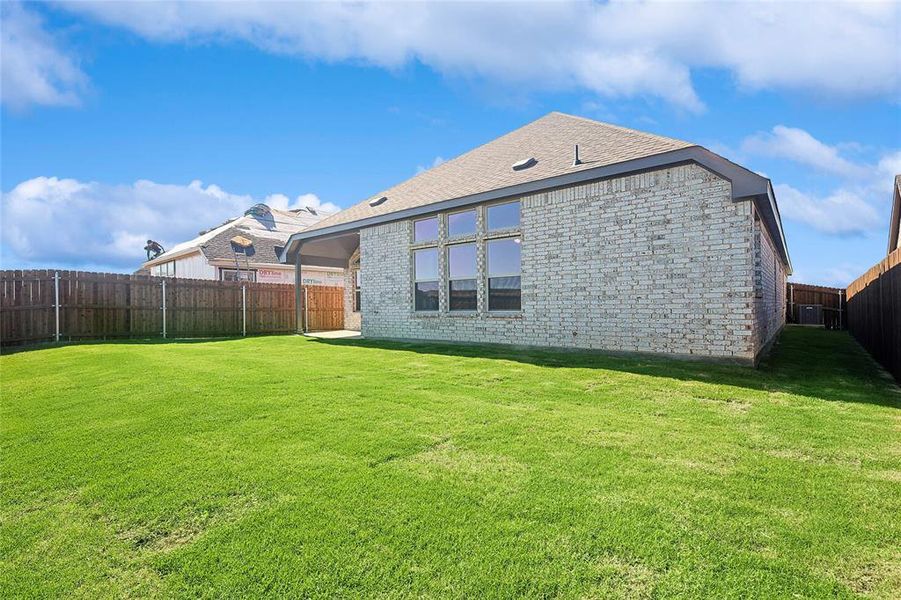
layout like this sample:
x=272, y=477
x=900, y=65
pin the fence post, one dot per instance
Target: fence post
x=840, y=294
x=164, y=309
x=791, y=301
x=56, y=301
x=244, y=310
x=306, y=310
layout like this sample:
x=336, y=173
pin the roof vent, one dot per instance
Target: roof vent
x=576, y=160
x=377, y=201
x=525, y=164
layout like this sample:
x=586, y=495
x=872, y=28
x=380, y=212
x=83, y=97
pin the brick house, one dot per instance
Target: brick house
x=567, y=233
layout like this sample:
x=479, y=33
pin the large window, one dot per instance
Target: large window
x=358, y=280
x=425, y=274
x=462, y=277
x=425, y=230
x=235, y=275
x=504, y=293
x=503, y=216
x=461, y=223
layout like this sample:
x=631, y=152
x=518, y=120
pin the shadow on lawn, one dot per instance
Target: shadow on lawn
x=809, y=362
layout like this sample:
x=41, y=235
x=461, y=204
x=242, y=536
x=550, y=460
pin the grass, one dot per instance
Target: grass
x=295, y=467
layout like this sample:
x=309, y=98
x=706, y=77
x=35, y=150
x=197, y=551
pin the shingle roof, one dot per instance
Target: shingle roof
x=267, y=232
x=263, y=249
x=549, y=140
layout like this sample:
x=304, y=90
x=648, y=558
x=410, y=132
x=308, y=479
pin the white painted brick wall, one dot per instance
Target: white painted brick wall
x=658, y=262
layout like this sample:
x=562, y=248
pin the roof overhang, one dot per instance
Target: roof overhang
x=769, y=213
x=169, y=256
x=329, y=250
x=746, y=186
x=230, y=264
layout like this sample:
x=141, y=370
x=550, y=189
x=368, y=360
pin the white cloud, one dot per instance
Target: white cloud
x=852, y=209
x=886, y=169
x=303, y=201
x=65, y=221
x=615, y=49
x=33, y=69
x=843, y=212
x=438, y=160
x=801, y=147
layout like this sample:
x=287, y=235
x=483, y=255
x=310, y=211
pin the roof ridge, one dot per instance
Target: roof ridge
x=621, y=127
x=444, y=165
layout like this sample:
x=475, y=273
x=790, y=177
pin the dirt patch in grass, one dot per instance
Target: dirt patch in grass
x=874, y=579
x=734, y=406
x=619, y=578
x=446, y=458
x=168, y=536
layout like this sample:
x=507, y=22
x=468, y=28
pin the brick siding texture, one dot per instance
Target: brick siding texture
x=769, y=289
x=660, y=262
x=352, y=320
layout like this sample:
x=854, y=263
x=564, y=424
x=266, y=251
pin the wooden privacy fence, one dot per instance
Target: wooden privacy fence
x=323, y=308
x=830, y=300
x=874, y=312
x=44, y=305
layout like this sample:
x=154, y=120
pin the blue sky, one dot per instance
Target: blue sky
x=123, y=122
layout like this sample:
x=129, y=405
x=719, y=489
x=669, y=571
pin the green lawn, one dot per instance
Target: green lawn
x=296, y=467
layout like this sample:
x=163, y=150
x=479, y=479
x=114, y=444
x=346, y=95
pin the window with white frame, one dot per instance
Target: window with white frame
x=235, y=275
x=358, y=280
x=462, y=277
x=425, y=230
x=503, y=216
x=461, y=223
x=425, y=279
x=166, y=269
x=504, y=274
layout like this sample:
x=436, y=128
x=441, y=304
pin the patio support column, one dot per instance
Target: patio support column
x=298, y=293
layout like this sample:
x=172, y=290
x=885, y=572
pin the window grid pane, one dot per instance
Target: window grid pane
x=426, y=264
x=503, y=216
x=462, y=294
x=504, y=293
x=461, y=223
x=461, y=260
x=425, y=230
x=504, y=257
x=426, y=295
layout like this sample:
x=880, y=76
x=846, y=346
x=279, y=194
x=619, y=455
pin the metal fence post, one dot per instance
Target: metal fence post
x=244, y=310
x=56, y=300
x=164, y=309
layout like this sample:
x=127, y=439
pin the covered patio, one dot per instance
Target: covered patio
x=320, y=249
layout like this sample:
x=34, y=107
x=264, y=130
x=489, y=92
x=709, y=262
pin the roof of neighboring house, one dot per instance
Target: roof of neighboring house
x=268, y=230
x=486, y=173
x=550, y=140
x=895, y=223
